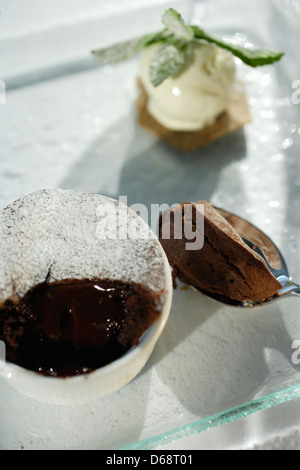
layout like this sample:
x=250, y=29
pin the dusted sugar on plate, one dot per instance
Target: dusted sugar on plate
x=86, y=291
x=188, y=92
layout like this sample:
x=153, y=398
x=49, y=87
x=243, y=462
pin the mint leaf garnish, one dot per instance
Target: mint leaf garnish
x=167, y=61
x=175, y=24
x=252, y=57
x=174, y=39
x=118, y=52
x=125, y=50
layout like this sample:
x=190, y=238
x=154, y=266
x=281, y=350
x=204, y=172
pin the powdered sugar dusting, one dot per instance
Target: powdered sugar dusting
x=58, y=234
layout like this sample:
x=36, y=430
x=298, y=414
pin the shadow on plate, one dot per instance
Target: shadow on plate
x=128, y=161
x=215, y=357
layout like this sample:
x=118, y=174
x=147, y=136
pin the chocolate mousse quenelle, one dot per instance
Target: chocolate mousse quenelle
x=223, y=266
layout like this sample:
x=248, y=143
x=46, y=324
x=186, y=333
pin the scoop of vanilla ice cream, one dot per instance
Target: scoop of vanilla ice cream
x=197, y=95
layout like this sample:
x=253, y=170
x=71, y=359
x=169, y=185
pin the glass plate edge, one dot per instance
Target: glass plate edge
x=218, y=419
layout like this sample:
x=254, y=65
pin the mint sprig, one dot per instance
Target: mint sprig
x=167, y=61
x=251, y=57
x=125, y=50
x=174, y=41
x=175, y=25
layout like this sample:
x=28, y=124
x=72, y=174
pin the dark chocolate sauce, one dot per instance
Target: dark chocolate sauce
x=75, y=326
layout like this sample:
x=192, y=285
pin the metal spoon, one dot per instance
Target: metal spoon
x=264, y=246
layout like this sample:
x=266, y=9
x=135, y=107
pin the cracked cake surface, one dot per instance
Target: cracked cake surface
x=60, y=234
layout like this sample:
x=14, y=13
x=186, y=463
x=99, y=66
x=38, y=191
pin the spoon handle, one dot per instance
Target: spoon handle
x=296, y=290
x=292, y=288
x=288, y=286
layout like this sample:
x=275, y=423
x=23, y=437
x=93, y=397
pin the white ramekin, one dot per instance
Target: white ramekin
x=82, y=389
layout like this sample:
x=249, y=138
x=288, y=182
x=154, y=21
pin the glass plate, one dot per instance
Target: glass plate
x=71, y=123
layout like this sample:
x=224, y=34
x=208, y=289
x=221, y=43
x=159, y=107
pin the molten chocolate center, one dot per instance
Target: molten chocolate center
x=75, y=326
